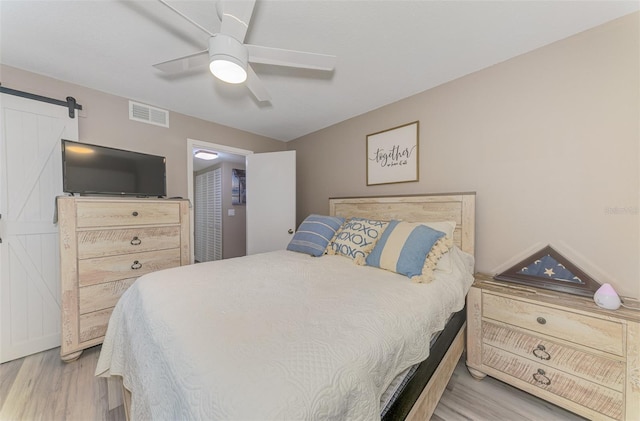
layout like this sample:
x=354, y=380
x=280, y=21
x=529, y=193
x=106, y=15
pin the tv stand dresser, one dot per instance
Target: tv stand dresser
x=556, y=346
x=105, y=245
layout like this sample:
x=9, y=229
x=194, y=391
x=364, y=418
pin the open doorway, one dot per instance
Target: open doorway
x=218, y=213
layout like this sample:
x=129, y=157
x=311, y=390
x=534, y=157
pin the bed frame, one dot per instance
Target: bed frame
x=458, y=207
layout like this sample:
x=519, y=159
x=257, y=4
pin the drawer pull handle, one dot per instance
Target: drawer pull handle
x=136, y=265
x=135, y=213
x=541, y=320
x=540, y=378
x=541, y=353
x=135, y=241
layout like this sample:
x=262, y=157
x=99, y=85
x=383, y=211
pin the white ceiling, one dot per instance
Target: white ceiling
x=387, y=50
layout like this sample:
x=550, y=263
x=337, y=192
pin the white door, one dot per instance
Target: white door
x=30, y=179
x=271, y=201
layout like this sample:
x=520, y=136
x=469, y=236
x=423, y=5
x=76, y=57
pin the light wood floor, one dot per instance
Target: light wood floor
x=42, y=387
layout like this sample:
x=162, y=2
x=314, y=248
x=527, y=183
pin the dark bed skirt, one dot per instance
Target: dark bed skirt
x=402, y=405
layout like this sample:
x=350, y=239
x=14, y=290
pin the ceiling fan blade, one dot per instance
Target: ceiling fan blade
x=256, y=86
x=187, y=18
x=181, y=64
x=290, y=58
x=236, y=15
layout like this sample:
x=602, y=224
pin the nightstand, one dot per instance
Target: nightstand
x=559, y=347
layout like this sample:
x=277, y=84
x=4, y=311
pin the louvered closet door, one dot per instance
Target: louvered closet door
x=30, y=179
x=215, y=238
x=199, y=214
x=208, y=216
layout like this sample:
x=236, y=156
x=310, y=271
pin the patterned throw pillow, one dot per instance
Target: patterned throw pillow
x=314, y=234
x=411, y=249
x=356, y=238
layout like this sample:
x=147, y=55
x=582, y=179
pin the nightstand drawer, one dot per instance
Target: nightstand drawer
x=110, y=214
x=97, y=243
x=556, y=382
x=605, y=371
x=113, y=268
x=592, y=332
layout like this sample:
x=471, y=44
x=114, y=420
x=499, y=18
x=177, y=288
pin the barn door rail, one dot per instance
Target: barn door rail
x=70, y=103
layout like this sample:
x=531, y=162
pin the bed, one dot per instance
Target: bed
x=284, y=335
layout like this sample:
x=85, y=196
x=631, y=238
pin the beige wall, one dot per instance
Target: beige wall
x=234, y=228
x=105, y=121
x=548, y=140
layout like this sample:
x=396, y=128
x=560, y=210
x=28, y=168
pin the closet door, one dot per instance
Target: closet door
x=30, y=179
x=215, y=239
x=208, y=216
x=199, y=213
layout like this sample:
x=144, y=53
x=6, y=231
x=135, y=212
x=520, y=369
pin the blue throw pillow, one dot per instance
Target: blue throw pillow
x=314, y=234
x=403, y=248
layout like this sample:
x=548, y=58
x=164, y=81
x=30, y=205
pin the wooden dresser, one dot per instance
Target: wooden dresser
x=105, y=244
x=557, y=346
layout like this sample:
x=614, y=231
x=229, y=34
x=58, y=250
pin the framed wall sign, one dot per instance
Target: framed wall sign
x=238, y=187
x=392, y=155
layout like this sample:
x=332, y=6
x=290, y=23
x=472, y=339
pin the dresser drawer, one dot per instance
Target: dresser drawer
x=556, y=382
x=94, y=325
x=101, y=296
x=113, y=268
x=593, y=332
x=605, y=371
x=110, y=214
x=97, y=243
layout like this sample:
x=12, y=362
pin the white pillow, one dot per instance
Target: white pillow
x=448, y=227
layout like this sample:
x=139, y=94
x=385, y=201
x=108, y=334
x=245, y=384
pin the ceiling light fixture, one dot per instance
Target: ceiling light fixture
x=227, y=59
x=206, y=155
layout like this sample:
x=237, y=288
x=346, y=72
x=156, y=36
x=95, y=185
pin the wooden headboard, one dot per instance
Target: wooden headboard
x=458, y=207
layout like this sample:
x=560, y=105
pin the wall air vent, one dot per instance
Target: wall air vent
x=148, y=114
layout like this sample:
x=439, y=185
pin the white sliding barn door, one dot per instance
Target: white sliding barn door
x=271, y=201
x=30, y=179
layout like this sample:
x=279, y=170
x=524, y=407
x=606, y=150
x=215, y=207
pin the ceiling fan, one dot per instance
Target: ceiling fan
x=229, y=58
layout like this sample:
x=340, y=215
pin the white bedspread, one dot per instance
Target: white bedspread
x=278, y=335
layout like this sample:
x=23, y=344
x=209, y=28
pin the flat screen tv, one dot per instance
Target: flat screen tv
x=93, y=169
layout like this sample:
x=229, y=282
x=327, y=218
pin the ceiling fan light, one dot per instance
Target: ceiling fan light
x=206, y=155
x=228, y=58
x=227, y=69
